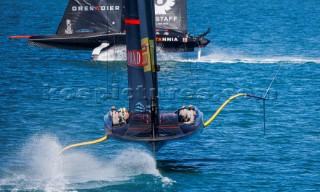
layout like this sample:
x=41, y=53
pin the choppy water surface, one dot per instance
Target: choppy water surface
x=53, y=98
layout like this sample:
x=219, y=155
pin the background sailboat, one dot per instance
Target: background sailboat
x=98, y=25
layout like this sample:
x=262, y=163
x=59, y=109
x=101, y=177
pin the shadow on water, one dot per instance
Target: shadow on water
x=185, y=165
x=201, y=165
x=173, y=166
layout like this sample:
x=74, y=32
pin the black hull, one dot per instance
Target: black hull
x=77, y=42
x=138, y=129
x=174, y=43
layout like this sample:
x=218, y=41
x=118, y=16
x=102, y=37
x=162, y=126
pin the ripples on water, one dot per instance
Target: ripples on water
x=52, y=98
x=232, y=150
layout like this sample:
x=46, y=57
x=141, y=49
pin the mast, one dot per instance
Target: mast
x=148, y=45
x=136, y=81
x=141, y=59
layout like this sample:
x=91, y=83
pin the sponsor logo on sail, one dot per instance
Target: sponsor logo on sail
x=166, y=18
x=146, y=59
x=134, y=58
x=162, y=6
x=84, y=31
x=139, y=107
x=95, y=8
x=69, y=27
x=167, y=39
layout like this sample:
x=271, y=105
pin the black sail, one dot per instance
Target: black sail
x=136, y=80
x=141, y=62
x=91, y=16
x=171, y=14
x=90, y=24
x=148, y=46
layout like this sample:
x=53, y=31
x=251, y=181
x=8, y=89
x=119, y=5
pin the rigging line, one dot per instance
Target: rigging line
x=114, y=55
x=85, y=143
x=274, y=78
x=107, y=73
x=114, y=48
x=193, y=11
x=221, y=107
x=196, y=82
x=264, y=116
x=113, y=80
x=108, y=29
x=264, y=98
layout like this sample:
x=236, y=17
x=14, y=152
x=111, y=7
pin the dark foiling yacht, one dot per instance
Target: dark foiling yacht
x=144, y=122
x=99, y=25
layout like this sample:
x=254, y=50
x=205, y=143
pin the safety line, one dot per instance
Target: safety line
x=85, y=143
x=221, y=107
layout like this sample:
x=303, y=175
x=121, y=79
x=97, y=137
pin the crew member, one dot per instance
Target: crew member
x=125, y=115
x=114, y=116
x=183, y=114
x=191, y=115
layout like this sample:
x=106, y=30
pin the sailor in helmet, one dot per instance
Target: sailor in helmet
x=114, y=116
x=183, y=114
x=191, y=115
x=125, y=114
x=121, y=116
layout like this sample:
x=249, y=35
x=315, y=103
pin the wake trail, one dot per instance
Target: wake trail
x=43, y=167
x=215, y=56
x=229, y=59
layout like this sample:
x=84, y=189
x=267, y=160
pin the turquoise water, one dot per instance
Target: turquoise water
x=53, y=98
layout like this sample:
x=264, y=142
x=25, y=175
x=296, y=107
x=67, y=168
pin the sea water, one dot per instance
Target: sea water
x=54, y=98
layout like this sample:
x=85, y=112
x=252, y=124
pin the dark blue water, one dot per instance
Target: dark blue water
x=53, y=98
